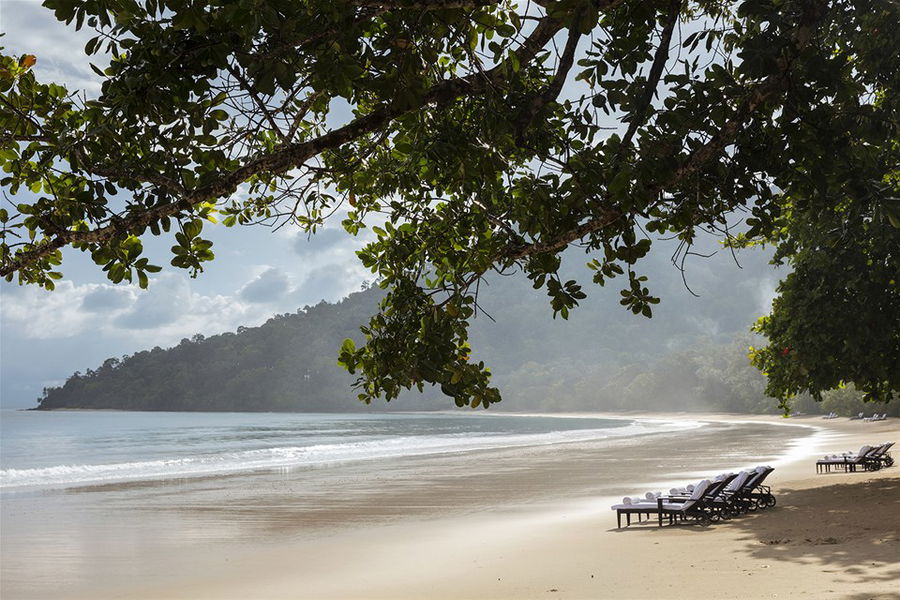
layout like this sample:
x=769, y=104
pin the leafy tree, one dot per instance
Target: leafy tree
x=481, y=136
x=837, y=314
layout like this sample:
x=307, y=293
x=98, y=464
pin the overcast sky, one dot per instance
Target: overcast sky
x=46, y=336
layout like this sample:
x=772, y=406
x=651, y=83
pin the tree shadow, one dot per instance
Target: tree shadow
x=849, y=530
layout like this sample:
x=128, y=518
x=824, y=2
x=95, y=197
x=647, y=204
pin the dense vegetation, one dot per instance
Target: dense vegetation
x=286, y=364
x=596, y=360
x=475, y=136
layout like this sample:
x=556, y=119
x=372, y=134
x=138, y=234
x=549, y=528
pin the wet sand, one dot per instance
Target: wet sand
x=523, y=523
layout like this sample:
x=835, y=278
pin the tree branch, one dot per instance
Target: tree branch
x=656, y=70
x=247, y=87
x=553, y=89
x=760, y=94
x=282, y=159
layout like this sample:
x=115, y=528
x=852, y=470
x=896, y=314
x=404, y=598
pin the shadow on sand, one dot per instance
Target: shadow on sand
x=844, y=529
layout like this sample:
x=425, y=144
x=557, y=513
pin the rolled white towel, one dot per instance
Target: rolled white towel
x=689, y=487
x=650, y=496
x=626, y=500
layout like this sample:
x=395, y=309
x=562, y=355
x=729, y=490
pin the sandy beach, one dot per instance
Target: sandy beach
x=537, y=531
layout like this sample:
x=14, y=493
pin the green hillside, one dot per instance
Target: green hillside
x=690, y=356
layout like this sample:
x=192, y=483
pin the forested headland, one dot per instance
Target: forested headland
x=691, y=356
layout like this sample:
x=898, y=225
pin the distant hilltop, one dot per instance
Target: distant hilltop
x=286, y=364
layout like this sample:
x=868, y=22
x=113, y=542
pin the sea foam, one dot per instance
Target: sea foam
x=298, y=456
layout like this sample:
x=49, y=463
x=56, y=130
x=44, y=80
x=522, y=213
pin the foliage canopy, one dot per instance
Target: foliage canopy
x=473, y=136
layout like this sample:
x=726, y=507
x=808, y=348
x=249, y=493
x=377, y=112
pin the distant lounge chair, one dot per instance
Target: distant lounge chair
x=876, y=417
x=849, y=462
x=857, y=417
x=882, y=456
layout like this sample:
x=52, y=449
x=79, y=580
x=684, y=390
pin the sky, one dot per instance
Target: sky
x=46, y=336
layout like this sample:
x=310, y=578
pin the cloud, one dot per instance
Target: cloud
x=160, y=305
x=32, y=29
x=105, y=298
x=269, y=286
x=35, y=313
x=327, y=244
x=329, y=282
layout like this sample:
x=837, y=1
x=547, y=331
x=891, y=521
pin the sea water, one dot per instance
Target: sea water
x=62, y=449
x=97, y=504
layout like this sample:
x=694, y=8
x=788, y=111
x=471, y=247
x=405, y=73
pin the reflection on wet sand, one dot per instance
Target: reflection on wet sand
x=106, y=539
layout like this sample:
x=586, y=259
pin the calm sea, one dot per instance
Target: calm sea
x=98, y=504
x=73, y=448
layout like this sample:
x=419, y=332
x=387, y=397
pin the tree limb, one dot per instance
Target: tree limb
x=761, y=93
x=283, y=158
x=656, y=71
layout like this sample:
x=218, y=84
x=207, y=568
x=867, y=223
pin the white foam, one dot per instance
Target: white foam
x=287, y=457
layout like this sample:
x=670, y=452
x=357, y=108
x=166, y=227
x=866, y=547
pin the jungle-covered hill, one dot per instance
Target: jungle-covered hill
x=690, y=356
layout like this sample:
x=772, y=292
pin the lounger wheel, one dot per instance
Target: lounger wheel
x=703, y=519
x=770, y=501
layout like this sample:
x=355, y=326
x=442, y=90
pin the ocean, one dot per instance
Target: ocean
x=95, y=503
x=64, y=449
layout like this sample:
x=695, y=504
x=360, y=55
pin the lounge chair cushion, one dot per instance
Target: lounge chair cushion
x=699, y=489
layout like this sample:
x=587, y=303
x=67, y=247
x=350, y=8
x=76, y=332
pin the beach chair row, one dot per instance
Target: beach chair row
x=874, y=417
x=723, y=497
x=867, y=458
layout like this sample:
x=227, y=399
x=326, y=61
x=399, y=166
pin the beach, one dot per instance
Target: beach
x=509, y=523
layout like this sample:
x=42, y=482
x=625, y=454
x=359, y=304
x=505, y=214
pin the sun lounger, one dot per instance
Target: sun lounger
x=759, y=495
x=727, y=495
x=630, y=506
x=881, y=455
x=645, y=506
x=733, y=499
x=849, y=462
x=697, y=507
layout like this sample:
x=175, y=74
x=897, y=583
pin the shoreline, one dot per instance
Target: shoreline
x=518, y=523
x=806, y=545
